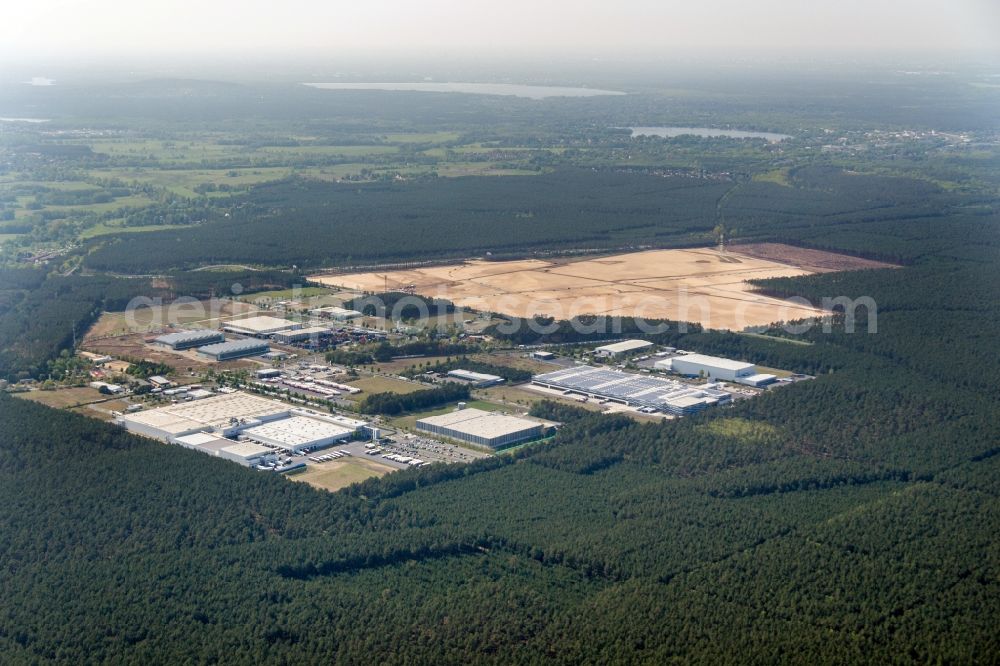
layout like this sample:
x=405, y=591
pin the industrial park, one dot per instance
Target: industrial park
x=276, y=388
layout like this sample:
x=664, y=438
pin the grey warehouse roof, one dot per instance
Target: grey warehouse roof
x=233, y=346
x=188, y=336
x=641, y=390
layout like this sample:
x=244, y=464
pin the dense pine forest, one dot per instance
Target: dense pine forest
x=327, y=224
x=851, y=518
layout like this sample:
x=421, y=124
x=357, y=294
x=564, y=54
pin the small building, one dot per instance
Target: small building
x=713, y=367
x=96, y=359
x=205, y=442
x=105, y=387
x=622, y=348
x=482, y=428
x=227, y=351
x=758, y=380
x=268, y=373
x=190, y=339
x=337, y=313
x=542, y=355
x=199, y=394
x=477, y=379
x=248, y=453
x=262, y=326
x=159, y=381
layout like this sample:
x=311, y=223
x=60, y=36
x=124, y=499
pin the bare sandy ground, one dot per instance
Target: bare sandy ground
x=696, y=285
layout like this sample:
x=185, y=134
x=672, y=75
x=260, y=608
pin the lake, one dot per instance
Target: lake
x=667, y=132
x=510, y=89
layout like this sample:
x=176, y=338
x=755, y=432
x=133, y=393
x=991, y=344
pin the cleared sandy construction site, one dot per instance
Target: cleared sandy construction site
x=697, y=285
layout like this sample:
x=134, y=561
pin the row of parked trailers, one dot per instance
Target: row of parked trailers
x=416, y=462
x=330, y=456
x=321, y=386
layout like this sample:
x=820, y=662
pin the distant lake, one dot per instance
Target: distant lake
x=667, y=132
x=23, y=120
x=511, y=89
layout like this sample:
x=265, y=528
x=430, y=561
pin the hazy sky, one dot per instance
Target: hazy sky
x=299, y=27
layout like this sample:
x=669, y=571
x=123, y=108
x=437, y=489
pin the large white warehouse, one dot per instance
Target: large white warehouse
x=620, y=348
x=261, y=326
x=477, y=426
x=714, y=367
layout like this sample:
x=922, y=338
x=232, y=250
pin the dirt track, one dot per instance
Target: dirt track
x=816, y=261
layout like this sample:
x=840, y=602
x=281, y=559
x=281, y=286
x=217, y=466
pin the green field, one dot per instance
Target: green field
x=111, y=228
x=339, y=474
x=379, y=384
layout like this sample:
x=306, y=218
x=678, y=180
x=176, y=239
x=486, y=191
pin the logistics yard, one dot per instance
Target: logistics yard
x=702, y=285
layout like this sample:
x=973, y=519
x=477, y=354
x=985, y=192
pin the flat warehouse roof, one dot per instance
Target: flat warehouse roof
x=202, y=439
x=215, y=412
x=474, y=376
x=247, y=450
x=188, y=336
x=478, y=422
x=233, y=346
x=633, y=389
x=300, y=333
x=624, y=346
x=712, y=361
x=334, y=311
x=261, y=324
x=297, y=431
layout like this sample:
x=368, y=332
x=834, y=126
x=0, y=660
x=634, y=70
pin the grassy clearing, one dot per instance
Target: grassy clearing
x=776, y=176
x=524, y=398
x=154, y=317
x=409, y=421
x=285, y=294
x=114, y=227
x=777, y=372
x=742, y=430
x=378, y=384
x=65, y=397
x=339, y=474
x=131, y=201
x=399, y=365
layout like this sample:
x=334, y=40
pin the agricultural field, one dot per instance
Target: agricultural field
x=704, y=285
